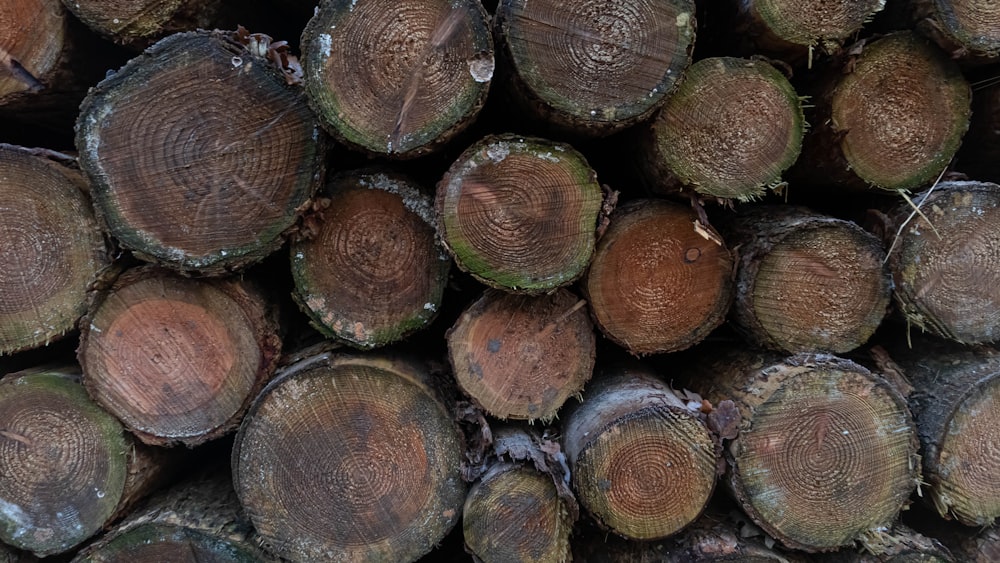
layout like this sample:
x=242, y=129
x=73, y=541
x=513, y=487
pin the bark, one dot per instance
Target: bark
x=199, y=520
x=520, y=213
x=970, y=545
x=966, y=29
x=178, y=360
x=521, y=508
x=141, y=22
x=900, y=79
x=806, y=282
x=790, y=30
x=729, y=131
x=942, y=259
x=593, y=67
x=896, y=545
x=659, y=281
x=826, y=453
x=956, y=401
x=372, y=272
x=200, y=152
x=521, y=356
x=350, y=458
x=47, y=62
x=69, y=467
x=397, y=78
x=52, y=252
x=642, y=463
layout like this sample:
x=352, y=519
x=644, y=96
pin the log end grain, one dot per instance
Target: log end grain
x=25, y=61
x=165, y=542
x=397, y=78
x=943, y=261
x=349, y=459
x=64, y=460
x=52, y=251
x=138, y=22
x=904, y=80
x=730, y=130
x=656, y=284
x=596, y=67
x=178, y=360
x=200, y=152
x=373, y=272
x=967, y=29
x=808, y=23
x=522, y=357
x=520, y=213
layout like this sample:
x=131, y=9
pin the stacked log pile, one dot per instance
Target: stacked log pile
x=642, y=280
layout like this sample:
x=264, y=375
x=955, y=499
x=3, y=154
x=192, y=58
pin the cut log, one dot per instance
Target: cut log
x=791, y=29
x=896, y=545
x=201, y=155
x=899, y=79
x=372, y=273
x=178, y=360
x=942, y=260
x=521, y=508
x=140, y=22
x=67, y=468
x=728, y=132
x=51, y=249
x=967, y=29
x=397, y=78
x=642, y=463
x=594, y=67
x=806, y=282
x=827, y=451
x=350, y=458
x=659, y=281
x=196, y=521
x=522, y=356
x=520, y=213
x=956, y=403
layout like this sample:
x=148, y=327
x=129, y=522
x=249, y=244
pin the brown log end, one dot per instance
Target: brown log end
x=807, y=23
x=52, y=249
x=178, y=360
x=520, y=213
x=942, y=261
x=139, y=22
x=730, y=130
x=347, y=458
x=904, y=80
x=200, y=152
x=31, y=45
x=372, y=273
x=657, y=283
x=522, y=356
x=64, y=463
x=807, y=282
x=595, y=67
x=397, y=78
x=642, y=464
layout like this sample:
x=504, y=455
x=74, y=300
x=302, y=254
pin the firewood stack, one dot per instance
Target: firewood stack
x=446, y=280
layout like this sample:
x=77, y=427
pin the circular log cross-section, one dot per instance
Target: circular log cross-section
x=967, y=29
x=944, y=262
x=730, y=130
x=63, y=463
x=522, y=356
x=642, y=464
x=790, y=26
x=373, y=273
x=596, y=66
x=178, y=360
x=656, y=284
x=807, y=282
x=901, y=112
x=350, y=459
x=397, y=77
x=199, y=152
x=140, y=21
x=827, y=452
x=51, y=249
x=520, y=213
x=31, y=44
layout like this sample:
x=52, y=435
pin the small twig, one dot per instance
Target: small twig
x=916, y=211
x=552, y=325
